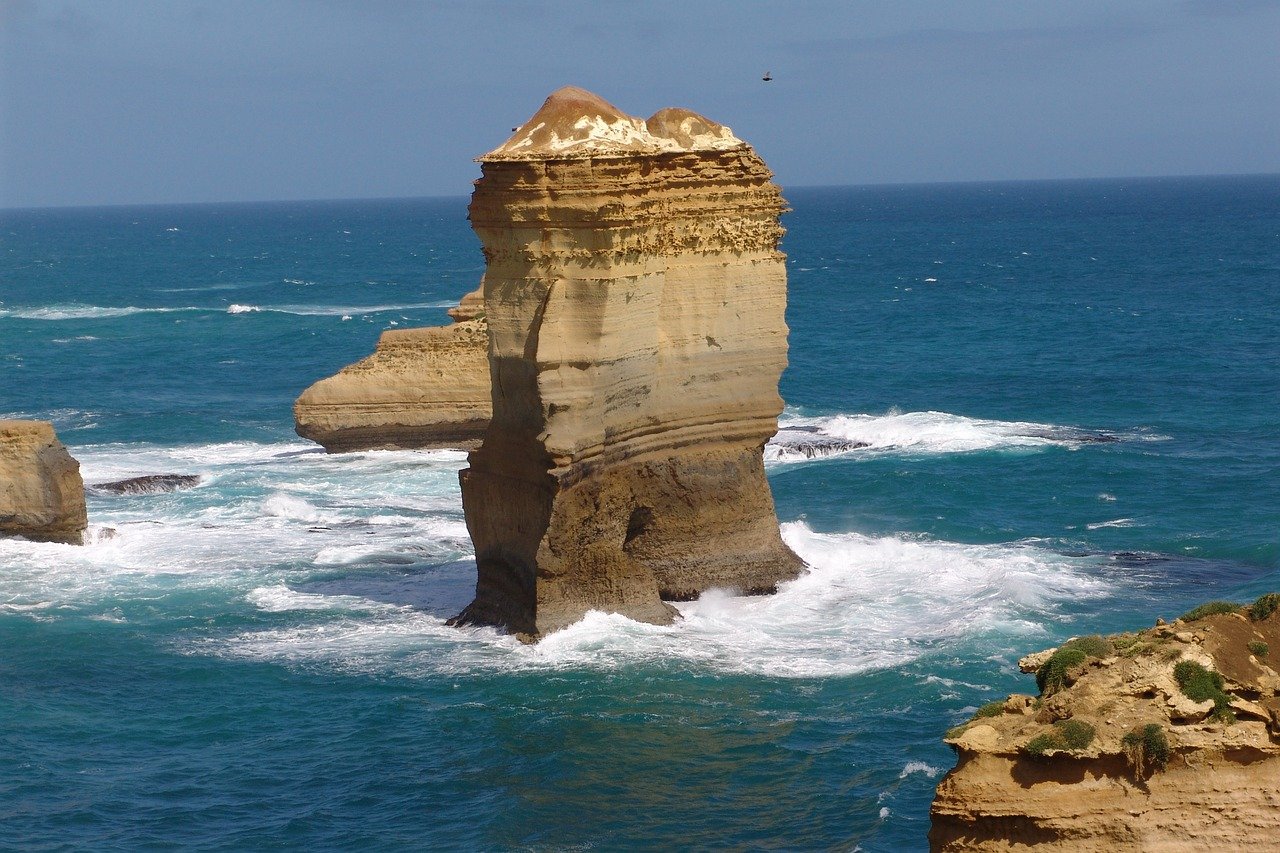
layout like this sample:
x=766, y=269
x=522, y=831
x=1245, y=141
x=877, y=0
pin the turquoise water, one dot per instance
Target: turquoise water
x=1068, y=396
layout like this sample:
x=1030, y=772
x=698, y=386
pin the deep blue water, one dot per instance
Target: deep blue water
x=1069, y=390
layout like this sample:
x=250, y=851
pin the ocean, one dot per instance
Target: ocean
x=1069, y=397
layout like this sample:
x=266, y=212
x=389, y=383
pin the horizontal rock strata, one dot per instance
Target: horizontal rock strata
x=635, y=297
x=41, y=492
x=421, y=388
x=1167, y=739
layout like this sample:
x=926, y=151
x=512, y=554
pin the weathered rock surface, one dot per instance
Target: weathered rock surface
x=1220, y=787
x=41, y=493
x=635, y=297
x=421, y=388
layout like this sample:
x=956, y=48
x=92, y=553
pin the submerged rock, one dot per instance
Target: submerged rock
x=635, y=296
x=1164, y=739
x=421, y=388
x=148, y=484
x=41, y=493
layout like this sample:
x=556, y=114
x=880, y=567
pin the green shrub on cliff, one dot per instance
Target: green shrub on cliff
x=1146, y=749
x=1052, y=675
x=1258, y=649
x=991, y=709
x=1068, y=735
x=1264, y=606
x=1201, y=685
x=1209, y=608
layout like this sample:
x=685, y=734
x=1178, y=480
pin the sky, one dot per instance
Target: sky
x=119, y=102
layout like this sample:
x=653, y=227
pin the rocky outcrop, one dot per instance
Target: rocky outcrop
x=635, y=297
x=421, y=388
x=41, y=493
x=1167, y=739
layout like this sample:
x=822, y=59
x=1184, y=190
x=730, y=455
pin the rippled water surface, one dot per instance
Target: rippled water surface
x=1016, y=412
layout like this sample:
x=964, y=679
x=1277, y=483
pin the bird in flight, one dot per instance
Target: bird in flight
x=767, y=76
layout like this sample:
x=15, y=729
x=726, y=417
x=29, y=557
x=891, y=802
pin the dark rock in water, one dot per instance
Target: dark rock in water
x=812, y=444
x=149, y=484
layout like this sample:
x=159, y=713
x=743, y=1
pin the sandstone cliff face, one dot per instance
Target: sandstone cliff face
x=1162, y=770
x=41, y=493
x=635, y=297
x=420, y=388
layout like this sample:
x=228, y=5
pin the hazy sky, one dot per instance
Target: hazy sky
x=109, y=101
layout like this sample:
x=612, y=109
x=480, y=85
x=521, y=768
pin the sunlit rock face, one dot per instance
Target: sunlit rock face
x=635, y=297
x=421, y=388
x=41, y=492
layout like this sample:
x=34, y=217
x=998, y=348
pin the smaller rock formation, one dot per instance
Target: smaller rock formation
x=421, y=388
x=41, y=493
x=1164, y=739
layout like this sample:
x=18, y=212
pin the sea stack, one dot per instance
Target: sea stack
x=635, y=297
x=1163, y=739
x=421, y=388
x=41, y=493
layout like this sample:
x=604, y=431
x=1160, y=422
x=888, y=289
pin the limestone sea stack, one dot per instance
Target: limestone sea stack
x=421, y=388
x=1165, y=739
x=635, y=297
x=41, y=493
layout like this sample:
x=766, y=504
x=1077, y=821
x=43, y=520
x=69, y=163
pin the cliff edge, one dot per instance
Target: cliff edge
x=1166, y=739
x=421, y=388
x=635, y=297
x=41, y=492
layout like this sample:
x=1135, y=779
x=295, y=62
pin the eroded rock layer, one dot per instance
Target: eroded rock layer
x=41, y=493
x=421, y=388
x=1167, y=739
x=635, y=297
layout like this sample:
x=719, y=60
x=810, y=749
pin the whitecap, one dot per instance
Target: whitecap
x=801, y=438
x=242, y=309
x=919, y=767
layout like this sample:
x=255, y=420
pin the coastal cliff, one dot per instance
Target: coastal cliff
x=635, y=297
x=421, y=388
x=1165, y=739
x=41, y=492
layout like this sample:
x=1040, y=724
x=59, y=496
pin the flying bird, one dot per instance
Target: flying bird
x=767, y=76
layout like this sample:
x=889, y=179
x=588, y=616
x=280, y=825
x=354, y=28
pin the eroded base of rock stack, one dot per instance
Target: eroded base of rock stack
x=635, y=296
x=1166, y=739
x=41, y=492
x=421, y=388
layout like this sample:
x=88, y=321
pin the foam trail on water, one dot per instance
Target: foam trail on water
x=84, y=312
x=801, y=438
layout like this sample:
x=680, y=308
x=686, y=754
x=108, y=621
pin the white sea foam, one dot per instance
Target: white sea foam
x=801, y=438
x=366, y=555
x=1115, y=522
x=83, y=312
x=867, y=603
x=919, y=767
x=99, y=312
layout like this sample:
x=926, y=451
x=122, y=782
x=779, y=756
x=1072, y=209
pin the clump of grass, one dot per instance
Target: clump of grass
x=1209, y=608
x=1068, y=736
x=1201, y=685
x=1121, y=642
x=1052, y=675
x=991, y=709
x=1264, y=606
x=1258, y=648
x=1146, y=749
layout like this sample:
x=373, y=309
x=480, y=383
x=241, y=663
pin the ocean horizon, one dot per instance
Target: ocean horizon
x=1063, y=396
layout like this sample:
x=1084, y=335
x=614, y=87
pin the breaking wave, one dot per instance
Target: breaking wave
x=801, y=438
